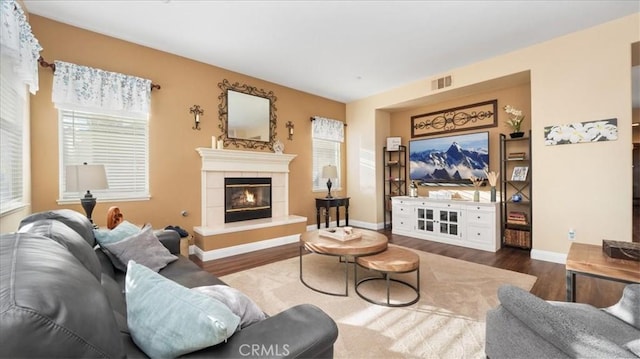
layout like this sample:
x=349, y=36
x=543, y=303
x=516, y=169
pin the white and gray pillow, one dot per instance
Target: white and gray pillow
x=143, y=248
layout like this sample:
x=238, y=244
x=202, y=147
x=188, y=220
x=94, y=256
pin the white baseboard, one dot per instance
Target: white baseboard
x=242, y=248
x=547, y=256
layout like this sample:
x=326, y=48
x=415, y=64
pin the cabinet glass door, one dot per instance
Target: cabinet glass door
x=449, y=222
x=425, y=217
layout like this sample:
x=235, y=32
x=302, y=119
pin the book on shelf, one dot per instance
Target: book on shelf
x=516, y=217
x=516, y=156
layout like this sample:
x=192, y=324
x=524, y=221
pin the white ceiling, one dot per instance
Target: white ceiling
x=342, y=50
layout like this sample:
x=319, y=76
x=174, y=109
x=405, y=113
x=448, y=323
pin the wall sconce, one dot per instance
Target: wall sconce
x=290, y=127
x=197, y=112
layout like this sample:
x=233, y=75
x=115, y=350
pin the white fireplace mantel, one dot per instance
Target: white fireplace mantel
x=218, y=164
x=243, y=161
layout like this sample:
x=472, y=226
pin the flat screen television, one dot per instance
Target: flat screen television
x=450, y=160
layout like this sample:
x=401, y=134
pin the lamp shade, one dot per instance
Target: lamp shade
x=329, y=171
x=81, y=178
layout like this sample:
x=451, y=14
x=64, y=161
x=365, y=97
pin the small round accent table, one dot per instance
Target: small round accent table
x=393, y=260
x=369, y=243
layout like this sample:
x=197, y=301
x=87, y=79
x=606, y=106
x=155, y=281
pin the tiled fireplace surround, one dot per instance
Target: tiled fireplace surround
x=216, y=239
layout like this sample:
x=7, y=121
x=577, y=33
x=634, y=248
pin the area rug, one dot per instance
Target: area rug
x=447, y=322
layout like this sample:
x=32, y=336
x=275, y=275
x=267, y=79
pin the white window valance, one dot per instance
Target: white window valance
x=328, y=129
x=18, y=45
x=88, y=89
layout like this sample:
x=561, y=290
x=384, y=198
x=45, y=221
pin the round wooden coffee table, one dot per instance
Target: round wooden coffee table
x=371, y=242
x=393, y=260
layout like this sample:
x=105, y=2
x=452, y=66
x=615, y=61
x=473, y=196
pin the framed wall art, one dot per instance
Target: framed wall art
x=581, y=132
x=520, y=173
x=463, y=118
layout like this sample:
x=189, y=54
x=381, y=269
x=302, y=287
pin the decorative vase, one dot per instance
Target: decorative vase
x=476, y=196
x=516, y=134
x=493, y=193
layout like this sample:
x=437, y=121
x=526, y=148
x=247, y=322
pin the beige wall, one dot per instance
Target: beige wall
x=174, y=163
x=579, y=77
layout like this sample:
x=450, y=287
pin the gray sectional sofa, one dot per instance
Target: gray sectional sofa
x=62, y=298
x=525, y=326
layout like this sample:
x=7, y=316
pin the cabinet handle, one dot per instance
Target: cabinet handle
x=478, y=217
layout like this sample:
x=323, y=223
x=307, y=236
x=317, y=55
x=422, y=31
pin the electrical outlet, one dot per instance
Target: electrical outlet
x=571, y=235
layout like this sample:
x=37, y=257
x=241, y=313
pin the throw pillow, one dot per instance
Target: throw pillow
x=122, y=231
x=144, y=248
x=167, y=320
x=238, y=302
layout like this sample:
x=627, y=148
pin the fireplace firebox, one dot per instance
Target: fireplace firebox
x=246, y=198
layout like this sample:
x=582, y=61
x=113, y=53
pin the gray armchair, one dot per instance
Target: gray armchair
x=525, y=326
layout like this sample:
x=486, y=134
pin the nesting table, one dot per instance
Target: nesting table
x=370, y=251
x=393, y=260
x=370, y=243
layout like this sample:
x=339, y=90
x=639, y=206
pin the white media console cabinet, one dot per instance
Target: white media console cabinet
x=462, y=223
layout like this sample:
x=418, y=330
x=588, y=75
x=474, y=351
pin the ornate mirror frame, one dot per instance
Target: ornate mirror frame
x=223, y=113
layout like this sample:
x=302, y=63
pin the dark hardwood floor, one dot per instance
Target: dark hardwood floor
x=551, y=276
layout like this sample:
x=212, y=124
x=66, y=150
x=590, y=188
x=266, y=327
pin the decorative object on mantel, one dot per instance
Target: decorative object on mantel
x=329, y=172
x=290, y=128
x=621, y=250
x=581, y=132
x=278, y=147
x=515, y=121
x=477, y=115
x=492, y=177
x=197, y=112
x=477, y=182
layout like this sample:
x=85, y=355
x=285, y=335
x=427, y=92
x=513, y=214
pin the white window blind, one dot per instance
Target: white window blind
x=12, y=120
x=325, y=153
x=118, y=143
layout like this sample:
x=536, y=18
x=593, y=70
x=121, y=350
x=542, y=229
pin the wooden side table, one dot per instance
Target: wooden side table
x=327, y=203
x=589, y=260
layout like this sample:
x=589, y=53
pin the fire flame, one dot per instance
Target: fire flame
x=250, y=197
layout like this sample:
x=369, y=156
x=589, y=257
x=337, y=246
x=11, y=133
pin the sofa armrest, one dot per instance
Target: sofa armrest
x=557, y=326
x=303, y=331
x=170, y=239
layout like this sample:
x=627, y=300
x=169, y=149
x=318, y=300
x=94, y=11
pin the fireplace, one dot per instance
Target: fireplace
x=246, y=198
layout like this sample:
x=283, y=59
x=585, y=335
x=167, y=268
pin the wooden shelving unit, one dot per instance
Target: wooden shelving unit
x=394, y=179
x=517, y=216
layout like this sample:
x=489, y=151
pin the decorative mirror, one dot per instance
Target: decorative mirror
x=247, y=116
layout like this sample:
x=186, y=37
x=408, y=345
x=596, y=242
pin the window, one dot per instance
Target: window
x=325, y=153
x=12, y=136
x=119, y=143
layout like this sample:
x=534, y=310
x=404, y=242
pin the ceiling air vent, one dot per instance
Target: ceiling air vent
x=441, y=83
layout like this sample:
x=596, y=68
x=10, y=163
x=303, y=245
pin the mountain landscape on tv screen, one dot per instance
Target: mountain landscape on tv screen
x=454, y=164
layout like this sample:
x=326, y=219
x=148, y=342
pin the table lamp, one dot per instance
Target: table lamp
x=80, y=178
x=329, y=172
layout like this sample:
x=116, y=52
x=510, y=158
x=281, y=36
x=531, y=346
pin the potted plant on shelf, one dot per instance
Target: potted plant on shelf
x=515, y=121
